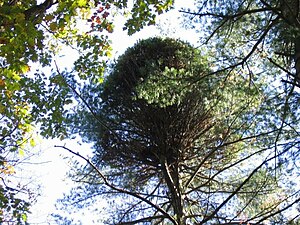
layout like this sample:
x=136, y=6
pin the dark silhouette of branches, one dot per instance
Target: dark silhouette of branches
x=119, y=190
x=185, y=162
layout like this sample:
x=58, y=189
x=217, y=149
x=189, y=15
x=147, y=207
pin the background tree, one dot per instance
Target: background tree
x=252, y=29
x=17, y=189
x=33, y=32
x=181, y=145
x=261, y=38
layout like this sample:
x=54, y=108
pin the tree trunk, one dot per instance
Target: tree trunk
x=297, y=61
x=171, y=176
x=291, y=13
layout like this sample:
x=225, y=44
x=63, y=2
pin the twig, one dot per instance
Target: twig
x=120, y=190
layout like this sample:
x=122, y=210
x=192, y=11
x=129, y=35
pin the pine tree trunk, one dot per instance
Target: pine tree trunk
x=171, y=176
x=291, y=12
x=297, y=61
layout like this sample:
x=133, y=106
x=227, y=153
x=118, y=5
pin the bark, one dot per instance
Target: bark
x=291, y=13
x=297, y=61
x=171, y=176
x=37, y=10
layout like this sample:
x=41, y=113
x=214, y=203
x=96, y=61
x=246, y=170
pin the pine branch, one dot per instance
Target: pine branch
x=120, y=190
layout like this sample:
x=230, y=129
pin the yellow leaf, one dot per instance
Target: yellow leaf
x=10, y=169
x=7, y=169
x=101, y=80
x=25, y=69
x=16, y=76
x=108, y=54
x=32, y=142
x=21, y=152
x=81, y=3
x=8, y=93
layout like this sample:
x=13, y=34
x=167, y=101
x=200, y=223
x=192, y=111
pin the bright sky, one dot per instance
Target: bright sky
x=51, y=168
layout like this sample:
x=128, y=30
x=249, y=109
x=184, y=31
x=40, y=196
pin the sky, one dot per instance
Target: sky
x=50, y=165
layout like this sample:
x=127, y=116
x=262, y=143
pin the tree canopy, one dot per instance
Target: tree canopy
x=179, y=144
x=206, y=135
x=33, y=33
x=246, y=30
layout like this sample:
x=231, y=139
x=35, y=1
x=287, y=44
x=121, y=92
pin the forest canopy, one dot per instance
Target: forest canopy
x=180, y=144
x=181, y=134
x=33, y=101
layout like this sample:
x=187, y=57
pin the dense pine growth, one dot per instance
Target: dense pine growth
x=180, y=144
